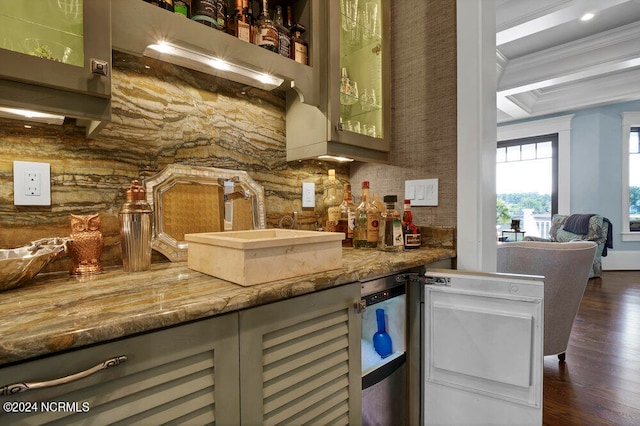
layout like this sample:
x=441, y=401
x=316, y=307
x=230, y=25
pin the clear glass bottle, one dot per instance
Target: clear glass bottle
x=365, y=234
x=410, y=231
x=332, y=203
x=390, y=235
x=284, y=34
x=347, y=221
x=376, y=200
x=266, y=32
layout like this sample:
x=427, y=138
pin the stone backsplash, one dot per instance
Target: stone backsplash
x=162, y=114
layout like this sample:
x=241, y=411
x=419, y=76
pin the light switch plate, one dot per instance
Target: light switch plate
x=31, y=184
x=421, y=192
x=308, y=194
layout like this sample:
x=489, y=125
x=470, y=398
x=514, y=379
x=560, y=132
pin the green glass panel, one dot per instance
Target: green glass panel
x=361, y=95
x=50, y=29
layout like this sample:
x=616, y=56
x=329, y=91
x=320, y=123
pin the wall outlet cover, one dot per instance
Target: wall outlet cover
x=308, y=194
x=31, y=184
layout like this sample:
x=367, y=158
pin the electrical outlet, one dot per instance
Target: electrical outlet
x=31, y=184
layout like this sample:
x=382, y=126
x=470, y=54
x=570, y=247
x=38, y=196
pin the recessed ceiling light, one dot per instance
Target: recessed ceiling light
x=587, y=17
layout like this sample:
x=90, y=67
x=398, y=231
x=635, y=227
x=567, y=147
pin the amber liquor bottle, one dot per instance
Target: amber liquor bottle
x=299, y=47
x=243, y=23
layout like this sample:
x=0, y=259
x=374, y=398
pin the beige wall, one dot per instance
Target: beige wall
x=423, y=108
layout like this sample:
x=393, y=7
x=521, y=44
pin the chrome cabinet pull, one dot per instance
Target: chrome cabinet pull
x=23, y=387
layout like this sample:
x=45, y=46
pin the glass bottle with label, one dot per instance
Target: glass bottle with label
x=347, y=221
x=365, y=234
x=390, y=235
x=299, y=47
x=182, y=7
x=284, y=35
x=410, y=231
x=221, y=15
x=244, y=23
x=266, y=32
x=332, y=203
x=205, y=12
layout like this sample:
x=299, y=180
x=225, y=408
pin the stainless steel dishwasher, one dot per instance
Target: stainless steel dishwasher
x=384, y=377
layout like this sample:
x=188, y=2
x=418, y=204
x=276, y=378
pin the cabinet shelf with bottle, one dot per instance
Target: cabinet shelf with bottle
x=354, y=120
x=143, y=29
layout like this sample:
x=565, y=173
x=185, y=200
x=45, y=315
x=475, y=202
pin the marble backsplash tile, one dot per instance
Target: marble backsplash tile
x=162, y=114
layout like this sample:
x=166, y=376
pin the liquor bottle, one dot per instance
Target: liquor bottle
x=284, y=35
x=205, y=12
x=365, y=234
x=153, y=2
x=347, y=221
x=376, y=200
x=182, y=7
x=299, y=48
x=244, y=23
x=232, y=17
x=381, y=339
x=166, y=4
x=332, y=204
x=266, y=32
x=390, y=236
x=221, y=15
x=409, y=230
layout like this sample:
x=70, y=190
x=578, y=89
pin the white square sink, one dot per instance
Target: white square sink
x=262, y=255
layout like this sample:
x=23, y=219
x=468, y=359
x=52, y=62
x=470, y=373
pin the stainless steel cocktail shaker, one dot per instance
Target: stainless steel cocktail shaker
x=135, y=230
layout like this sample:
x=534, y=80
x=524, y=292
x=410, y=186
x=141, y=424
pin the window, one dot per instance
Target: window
x=527, y=184
x=631, y=176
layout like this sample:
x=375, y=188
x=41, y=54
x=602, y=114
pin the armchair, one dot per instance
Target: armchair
x=581, y=227
x=565, y=267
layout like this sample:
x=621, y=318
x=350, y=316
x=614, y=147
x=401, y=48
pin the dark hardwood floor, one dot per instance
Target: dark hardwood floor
x=599, y=383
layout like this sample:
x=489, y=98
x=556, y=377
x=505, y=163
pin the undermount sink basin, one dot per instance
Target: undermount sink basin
x=263, y=255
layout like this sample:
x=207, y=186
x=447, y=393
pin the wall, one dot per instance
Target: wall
x=423, y=120
x=162, y=114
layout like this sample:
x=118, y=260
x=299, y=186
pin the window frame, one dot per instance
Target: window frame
x=629, y=120
x=530, y=140
x=560, y=125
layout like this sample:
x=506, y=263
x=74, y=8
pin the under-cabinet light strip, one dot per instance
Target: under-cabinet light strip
x=219, y=64
x=29, y=115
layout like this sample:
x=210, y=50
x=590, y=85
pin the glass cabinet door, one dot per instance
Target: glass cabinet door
x=52, y=42
x=361, y=75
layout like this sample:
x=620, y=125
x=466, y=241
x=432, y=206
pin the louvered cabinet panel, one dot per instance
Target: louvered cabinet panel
x=301, y=360
x=182, y=375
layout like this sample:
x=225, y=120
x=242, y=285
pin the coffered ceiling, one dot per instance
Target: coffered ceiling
x=549, y=60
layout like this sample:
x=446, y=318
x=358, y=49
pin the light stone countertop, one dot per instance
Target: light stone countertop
x=57, y=311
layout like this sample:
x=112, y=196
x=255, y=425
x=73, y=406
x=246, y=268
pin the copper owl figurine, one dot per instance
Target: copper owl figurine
x=86, y=245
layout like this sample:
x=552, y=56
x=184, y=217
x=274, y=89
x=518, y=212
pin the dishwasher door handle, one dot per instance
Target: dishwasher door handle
x=23, y=387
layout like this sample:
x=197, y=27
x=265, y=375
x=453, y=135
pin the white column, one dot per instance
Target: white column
x=476, y=244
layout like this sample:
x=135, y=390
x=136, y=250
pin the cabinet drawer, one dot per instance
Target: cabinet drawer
x=181, y=374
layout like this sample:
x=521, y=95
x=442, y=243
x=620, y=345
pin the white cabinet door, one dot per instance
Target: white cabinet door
x=483, y=354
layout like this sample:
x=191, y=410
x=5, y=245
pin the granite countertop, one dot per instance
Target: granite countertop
x=57, y=311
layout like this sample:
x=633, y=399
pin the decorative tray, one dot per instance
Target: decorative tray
x=192, y=199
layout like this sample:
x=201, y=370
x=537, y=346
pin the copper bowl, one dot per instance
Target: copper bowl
x=20, y=265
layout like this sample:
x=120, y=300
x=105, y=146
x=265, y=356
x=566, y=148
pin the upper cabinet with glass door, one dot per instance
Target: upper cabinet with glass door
x=55, y=57
x=354, y=121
